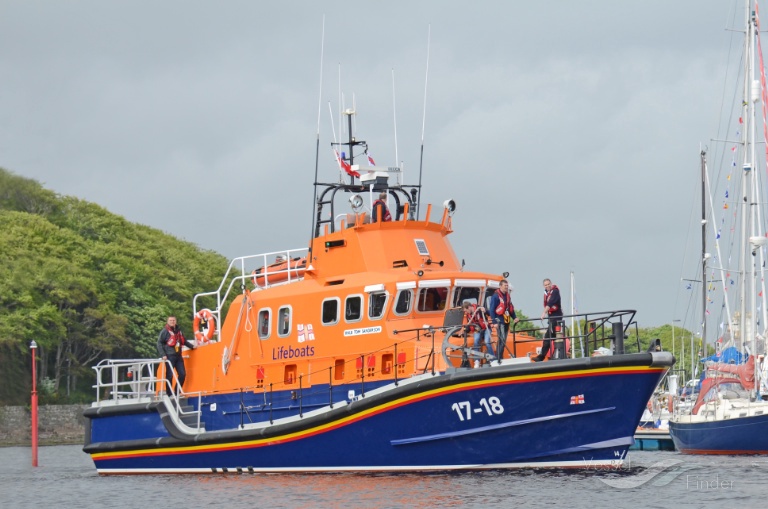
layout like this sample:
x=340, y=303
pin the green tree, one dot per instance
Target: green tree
x=85, y=284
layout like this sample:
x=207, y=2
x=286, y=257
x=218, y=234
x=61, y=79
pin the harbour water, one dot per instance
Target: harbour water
x=66, y=478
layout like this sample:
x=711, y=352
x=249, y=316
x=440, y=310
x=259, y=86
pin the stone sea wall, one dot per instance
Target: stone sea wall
x=57, y=424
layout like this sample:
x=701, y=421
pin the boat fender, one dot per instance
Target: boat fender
x=206, y=318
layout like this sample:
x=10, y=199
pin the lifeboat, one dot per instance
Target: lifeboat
x=280, y=271
x=359, y=359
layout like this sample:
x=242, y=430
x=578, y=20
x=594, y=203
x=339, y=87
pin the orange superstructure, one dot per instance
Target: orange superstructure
x=362, y=284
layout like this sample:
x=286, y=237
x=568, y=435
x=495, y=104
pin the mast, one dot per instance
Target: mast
x=317, y=145
x=752, y=225
x=745, y=286
x=423, y=122
x=704, y=257
x=757, y=239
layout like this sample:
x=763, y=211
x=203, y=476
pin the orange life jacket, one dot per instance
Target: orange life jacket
x=383, y=213
x=175, y=337
x=476, y=317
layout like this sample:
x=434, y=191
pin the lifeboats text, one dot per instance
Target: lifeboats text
x=292, y=353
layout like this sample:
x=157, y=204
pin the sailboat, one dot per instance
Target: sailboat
x=729, y=415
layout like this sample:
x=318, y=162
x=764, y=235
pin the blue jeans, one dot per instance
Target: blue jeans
x=488, y=342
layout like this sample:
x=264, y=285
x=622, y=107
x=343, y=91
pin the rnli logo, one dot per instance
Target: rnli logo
x=362, y=330
x=306, y=333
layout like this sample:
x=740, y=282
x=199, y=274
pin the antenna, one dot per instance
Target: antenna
x=317, y=146
x=394, y=114
x=341, y=104
x=333, y=130
x=423, y=122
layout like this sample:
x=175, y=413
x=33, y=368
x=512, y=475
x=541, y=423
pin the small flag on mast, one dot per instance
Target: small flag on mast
x=344, y=165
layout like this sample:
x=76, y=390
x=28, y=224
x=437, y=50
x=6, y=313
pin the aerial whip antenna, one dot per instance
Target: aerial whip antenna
x=335, y=143
x=423, y=122
x=341, y=106
x=394, y=114
x=317, y=146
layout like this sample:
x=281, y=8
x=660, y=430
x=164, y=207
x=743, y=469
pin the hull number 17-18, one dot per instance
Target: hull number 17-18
x=491, y=406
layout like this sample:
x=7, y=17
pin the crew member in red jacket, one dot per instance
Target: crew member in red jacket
x=380, y=210
x=478, y=324
x=502, y=313
x=554, y=312
x=169, y=343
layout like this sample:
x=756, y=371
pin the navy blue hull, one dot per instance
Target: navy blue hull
x=563, y=413
x=743, y=435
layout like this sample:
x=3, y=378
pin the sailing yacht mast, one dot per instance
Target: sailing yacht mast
x=704, y=256
x=757, y=238
x=747, y=198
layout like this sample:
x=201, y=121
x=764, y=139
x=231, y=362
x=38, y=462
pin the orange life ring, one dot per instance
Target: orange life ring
x=209, y=326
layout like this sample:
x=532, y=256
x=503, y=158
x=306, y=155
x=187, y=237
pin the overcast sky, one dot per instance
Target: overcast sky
x=567, y=132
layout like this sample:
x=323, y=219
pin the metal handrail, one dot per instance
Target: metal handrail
x=111, y=376
x=599, y=319
x=242, y=265
x=129, y=380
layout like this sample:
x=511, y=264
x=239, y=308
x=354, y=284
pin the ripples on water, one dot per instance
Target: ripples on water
x=66, y=478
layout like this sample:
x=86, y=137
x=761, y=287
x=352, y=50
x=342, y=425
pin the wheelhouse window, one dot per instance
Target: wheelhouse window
x=353, y=308
x=432, y=299
x=330, y=311
x=265, y=316
x=377, y=303
x=462, y=293
x=284, y=321
x=403, y=302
